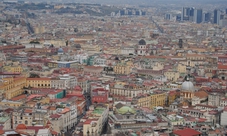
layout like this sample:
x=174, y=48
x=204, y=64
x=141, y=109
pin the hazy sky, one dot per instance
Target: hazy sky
x=195, y=3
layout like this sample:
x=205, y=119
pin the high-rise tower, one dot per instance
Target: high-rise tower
x=185, y=13
x=217, y=15
x=198, y=16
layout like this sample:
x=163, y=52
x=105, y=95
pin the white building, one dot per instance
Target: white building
x=64, y=81
x=224, y=117
x=100, y=61
x=44, y=132
x=127, y=50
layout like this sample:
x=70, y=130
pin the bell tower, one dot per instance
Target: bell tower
x=180, y=43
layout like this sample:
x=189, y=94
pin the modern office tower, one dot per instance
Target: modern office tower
x=198, y=16
x=217, y=15
x=126, y=12
x=185, y=13
x=130, y=12
x=206, y=17
x=182, y=14
x=168, y=16
x=143, y=13
x=137, y=12
x=122, y=12
x=225, y=11
x=191, y=14
x=178, y=17
x=221, y=16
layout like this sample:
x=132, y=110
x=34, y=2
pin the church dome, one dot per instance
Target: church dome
x=60, y=50
x=188, y=86
x=78, y=46
x=142, y=42
x=126, y=109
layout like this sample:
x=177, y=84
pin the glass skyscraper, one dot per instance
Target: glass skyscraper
x=198, y=16
x=217, y=16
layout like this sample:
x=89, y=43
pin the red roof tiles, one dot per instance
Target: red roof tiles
x=187, y=132
x=55, y=116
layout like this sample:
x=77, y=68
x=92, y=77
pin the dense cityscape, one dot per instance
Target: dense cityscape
x=91, y=68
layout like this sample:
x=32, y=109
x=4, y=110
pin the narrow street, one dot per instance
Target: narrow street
x=88, y=103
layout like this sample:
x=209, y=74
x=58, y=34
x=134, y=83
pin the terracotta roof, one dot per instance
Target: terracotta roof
x=201, y=94
x=53, y=132
x=55, y=116
x=208, y=106
x=222, y=66
x=55, y=91
x=186, y=132
x=93, y=67
x=42, y=78
x=8, y=110
x=52, y=108
x=21, y=126
x=28, y=110
x=88, y=121
x=2, y=132
x=23, y=96
x=48, y=122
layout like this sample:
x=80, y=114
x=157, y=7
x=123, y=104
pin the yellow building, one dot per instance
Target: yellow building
x=10, y=104
x=181, y=68
x=39, y=29
x=38, y=82
x=172, y=75
x=152, y=100
x=91, y=49
x=123, y=68
x=12, y=87
x=58, y=6
x=55, y=57
x=45, y=100
x=144, y=101
x=13, y=69
x=195, y=57
x=158, y=99
x=112, y=50
x=56, y=42
x=158, y=66
x=52, y=65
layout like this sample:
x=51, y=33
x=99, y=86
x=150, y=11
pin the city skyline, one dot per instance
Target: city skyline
x=138, y=2
x=156, y=68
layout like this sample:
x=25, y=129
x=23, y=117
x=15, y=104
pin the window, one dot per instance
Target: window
x=26, y=122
